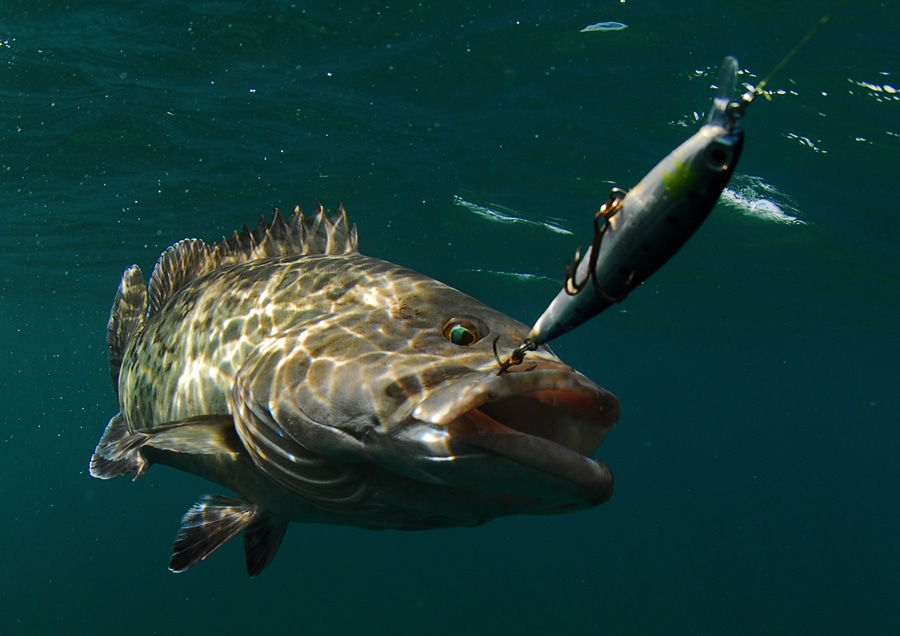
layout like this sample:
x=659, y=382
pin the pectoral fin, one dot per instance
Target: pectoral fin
x=200, y=435
x=118, y=452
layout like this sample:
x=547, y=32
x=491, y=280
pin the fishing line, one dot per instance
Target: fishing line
x=760, y=88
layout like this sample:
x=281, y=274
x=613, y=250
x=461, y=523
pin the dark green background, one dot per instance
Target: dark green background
x=757, y=454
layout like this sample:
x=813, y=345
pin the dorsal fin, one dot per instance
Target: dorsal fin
x=126, y=318
x=297, y=235
x=184, y=261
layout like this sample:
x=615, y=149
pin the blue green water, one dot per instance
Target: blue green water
x=756, y=458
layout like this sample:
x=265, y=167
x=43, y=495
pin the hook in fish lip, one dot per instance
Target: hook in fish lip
x=515, y=358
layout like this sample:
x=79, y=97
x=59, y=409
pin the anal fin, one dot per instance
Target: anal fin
x=207, y=526
x=261, y=541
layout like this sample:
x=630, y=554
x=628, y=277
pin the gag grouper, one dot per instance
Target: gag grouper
x=643, y=228
x=319, y=385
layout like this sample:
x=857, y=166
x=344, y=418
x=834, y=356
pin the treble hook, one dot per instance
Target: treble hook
x=516, y=357
x=606, y=212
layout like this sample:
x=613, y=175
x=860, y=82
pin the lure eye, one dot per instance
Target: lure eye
x=718, y=156
x=462, y=332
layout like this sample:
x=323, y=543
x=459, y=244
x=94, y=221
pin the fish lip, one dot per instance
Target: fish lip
x=446, y=403
x=574, y=478
x=545, y=417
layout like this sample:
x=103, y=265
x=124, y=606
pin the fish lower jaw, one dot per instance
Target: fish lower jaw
x=557, y=468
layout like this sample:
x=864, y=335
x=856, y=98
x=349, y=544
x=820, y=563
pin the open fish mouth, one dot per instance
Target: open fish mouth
x=545, y=420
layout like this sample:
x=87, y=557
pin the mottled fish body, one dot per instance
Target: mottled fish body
x=321, y=385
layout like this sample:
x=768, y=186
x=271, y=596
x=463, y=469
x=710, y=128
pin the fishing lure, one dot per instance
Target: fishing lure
x=637, y=231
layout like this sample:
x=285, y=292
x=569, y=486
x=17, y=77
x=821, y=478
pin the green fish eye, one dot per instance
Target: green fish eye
x=461, y=332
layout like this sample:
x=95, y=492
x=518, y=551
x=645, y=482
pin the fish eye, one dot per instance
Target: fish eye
x=718, y=156
x=462, y=332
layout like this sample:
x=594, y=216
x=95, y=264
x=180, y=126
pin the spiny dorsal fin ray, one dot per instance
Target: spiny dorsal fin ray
x=186, y=260
x=297, y=235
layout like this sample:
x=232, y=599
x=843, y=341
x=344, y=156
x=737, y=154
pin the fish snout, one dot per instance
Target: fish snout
x=529, y=431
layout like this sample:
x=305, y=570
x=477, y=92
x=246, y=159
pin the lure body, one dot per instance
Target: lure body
x=645, y=227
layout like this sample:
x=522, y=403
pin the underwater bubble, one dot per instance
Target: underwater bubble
x=604, y=26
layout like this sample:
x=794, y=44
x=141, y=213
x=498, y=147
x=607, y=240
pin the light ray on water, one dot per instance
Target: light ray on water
x=492, y=214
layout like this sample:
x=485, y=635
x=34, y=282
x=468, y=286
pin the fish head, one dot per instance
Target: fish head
x=403, y=387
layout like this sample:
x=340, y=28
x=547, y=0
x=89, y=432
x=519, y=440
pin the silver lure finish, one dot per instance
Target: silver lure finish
x=649, y=224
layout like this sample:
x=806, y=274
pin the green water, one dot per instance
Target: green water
x=756, y=457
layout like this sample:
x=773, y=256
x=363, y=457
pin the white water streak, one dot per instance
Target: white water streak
x=496, y=216
x=754, y=197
